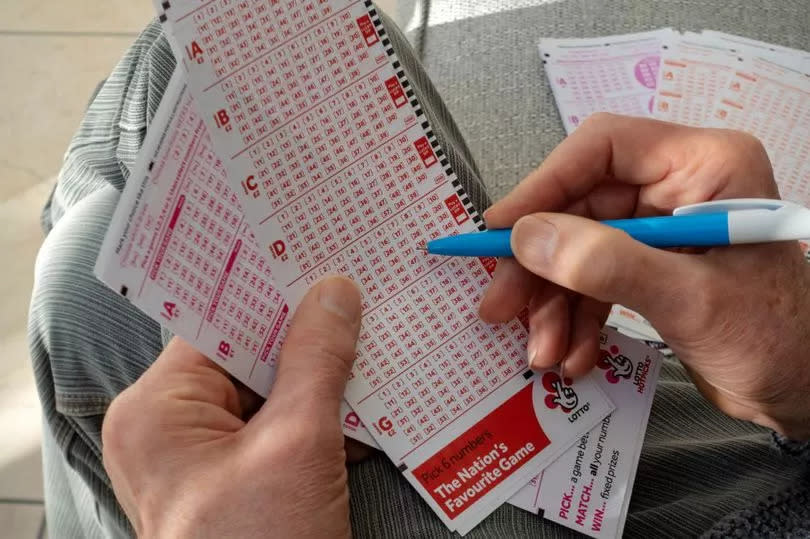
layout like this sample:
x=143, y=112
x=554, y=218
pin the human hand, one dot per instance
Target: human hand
x=737, y=317
x=183, y=462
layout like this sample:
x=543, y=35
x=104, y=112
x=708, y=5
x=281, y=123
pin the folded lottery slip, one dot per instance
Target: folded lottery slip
x=588, y=488
x=694, y=69
x=337, y=170
x=771, y=100
x=179, y=249
x=615, y=74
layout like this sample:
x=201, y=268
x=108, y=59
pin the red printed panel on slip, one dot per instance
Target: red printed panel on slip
x=346, y=185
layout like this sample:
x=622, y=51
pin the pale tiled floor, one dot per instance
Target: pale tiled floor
x=52, y=55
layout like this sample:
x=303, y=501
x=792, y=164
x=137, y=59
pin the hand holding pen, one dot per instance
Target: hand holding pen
x=737, y=317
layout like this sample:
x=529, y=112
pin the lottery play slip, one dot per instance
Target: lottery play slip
x=179, y=249
x=292, y=148
x=588, y=488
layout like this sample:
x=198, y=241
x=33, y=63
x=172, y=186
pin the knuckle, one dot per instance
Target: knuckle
x=597, y=123
x=591, y=268
x=598, y=119
x=744, y=159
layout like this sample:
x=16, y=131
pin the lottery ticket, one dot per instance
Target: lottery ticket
x=795, y=58
x=693, y=70
x=588, y=488
x=179, y=249
x=338, y=171
x=605, y=74
x=772, y=102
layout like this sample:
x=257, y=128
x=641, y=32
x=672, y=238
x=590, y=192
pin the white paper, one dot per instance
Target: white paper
x=615, y=74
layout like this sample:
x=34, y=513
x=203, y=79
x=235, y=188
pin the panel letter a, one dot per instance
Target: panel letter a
x=194, y=52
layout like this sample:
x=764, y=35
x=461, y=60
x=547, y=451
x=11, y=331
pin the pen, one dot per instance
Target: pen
x=708, y=224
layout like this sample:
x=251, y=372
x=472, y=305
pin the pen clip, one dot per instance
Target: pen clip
x=734, y=204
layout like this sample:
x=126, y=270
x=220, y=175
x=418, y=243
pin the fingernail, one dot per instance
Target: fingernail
x=531, y=351
x=534, y=240
x=340, y=296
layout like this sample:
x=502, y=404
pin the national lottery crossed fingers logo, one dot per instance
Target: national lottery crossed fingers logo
x=617, y=366
x=560, y=393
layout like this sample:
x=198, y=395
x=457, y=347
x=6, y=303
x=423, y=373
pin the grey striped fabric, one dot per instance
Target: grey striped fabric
x=700, y=471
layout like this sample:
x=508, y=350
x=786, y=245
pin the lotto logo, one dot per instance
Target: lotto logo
x=279, y=250
x=222, y=119
x=425, y=152
x=560, y=392
x=615, y=365
x=396, y=92
x=367, y=29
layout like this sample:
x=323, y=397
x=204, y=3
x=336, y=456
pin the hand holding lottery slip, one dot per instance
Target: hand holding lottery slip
x=291, y=144
x=252, y=195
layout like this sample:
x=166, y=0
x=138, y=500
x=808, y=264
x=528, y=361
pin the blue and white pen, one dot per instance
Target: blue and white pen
x=708, y=224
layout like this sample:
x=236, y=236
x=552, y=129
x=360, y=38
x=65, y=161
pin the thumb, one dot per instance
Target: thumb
x=319, y=351
x=603, y=262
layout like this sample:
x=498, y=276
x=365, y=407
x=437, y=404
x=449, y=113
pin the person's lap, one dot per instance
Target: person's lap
x=88, y=344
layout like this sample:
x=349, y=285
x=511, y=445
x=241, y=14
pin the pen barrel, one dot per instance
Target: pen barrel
x=700, y=230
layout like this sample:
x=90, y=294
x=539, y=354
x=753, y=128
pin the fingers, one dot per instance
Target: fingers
x=319, y=351
x=604, y=263
x=587, y=321
x=667, y=165
x=632, y=150
x=549, y=321
x=509, y=292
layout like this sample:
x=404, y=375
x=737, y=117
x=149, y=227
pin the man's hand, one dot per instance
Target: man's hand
x=183, y=462
x=738, y=317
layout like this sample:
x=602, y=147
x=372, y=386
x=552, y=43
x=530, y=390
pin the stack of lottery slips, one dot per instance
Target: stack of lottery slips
x=709, y=79
x=290, y=145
